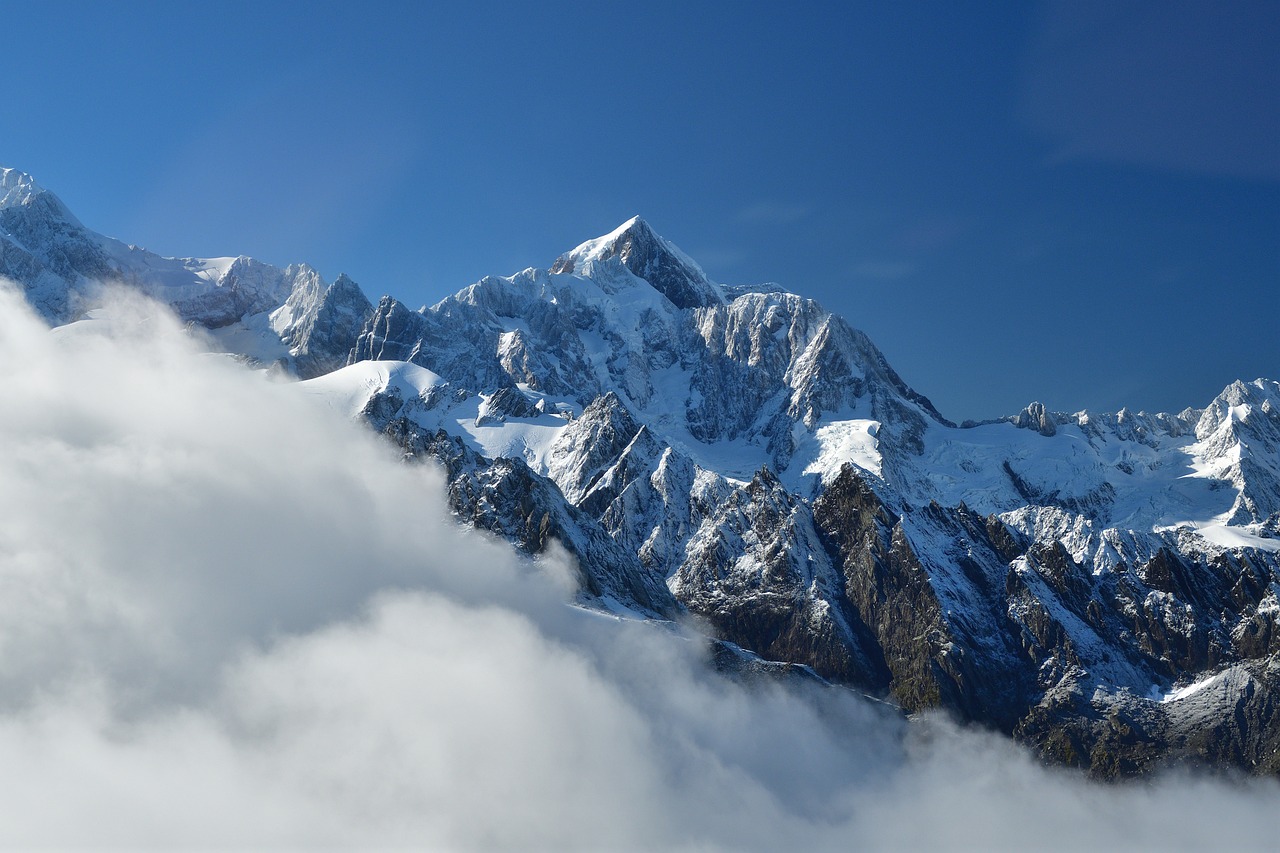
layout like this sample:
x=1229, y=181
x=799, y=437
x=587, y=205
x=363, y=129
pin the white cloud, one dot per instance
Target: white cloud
x=228, y=619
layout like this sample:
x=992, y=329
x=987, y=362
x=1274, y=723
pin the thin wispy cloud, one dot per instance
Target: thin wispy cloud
x=713, y=259
x=885, y=270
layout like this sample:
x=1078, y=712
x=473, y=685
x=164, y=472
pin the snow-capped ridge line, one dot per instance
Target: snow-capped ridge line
x=745, y=455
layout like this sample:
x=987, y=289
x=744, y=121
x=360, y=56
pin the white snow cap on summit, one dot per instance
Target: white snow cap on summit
x=602, y=247
x=650, y=257
x=17, y=187
x=638, y=230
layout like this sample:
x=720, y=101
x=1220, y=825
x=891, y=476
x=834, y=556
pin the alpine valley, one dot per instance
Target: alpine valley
x=1102, y=587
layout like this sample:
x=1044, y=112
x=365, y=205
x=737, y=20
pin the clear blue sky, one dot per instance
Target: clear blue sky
x=1077, y=203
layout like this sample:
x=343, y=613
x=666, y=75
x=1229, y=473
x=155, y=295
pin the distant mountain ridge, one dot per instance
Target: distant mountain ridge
x=1103, y=587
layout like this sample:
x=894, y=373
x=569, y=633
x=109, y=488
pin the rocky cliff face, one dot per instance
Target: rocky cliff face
x=318, y=323
x=1036, y=574
x=1104, y=587
x=505, y=497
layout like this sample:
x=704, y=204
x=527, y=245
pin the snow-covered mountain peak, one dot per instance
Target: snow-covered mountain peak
x=606, y=246
x=1254, y=404
x=1035, y=416
x=18, y=189
x=648, y=256
x=62, y=267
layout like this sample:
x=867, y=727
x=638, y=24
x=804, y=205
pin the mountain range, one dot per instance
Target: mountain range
x=1103, y=587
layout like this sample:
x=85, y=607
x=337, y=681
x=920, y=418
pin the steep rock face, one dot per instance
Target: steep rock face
x=1240, y=436
x=505, y=497
x=591, y=447
x=938, y=617
x=1036, y=417
x=769, y=361
x=1225, y=720
x=757, y=572
x=392, y=332
x=972, y=618
x=320, y=324
x=662, y=507
x=652, y=499
x=464, y=339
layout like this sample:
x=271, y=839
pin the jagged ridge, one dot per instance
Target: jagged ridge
x=746, y=456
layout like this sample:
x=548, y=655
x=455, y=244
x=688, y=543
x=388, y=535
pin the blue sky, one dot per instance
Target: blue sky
x=1077, y=203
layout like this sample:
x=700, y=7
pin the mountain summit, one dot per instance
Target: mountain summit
x=649, y=257
x=1103, y=587
x=18, y=189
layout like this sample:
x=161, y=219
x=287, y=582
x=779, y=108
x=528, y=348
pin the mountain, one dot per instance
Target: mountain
x=1103, y=587
x=265, y=313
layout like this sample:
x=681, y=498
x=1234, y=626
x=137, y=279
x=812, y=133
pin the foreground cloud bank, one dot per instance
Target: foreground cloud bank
x=228, y=618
